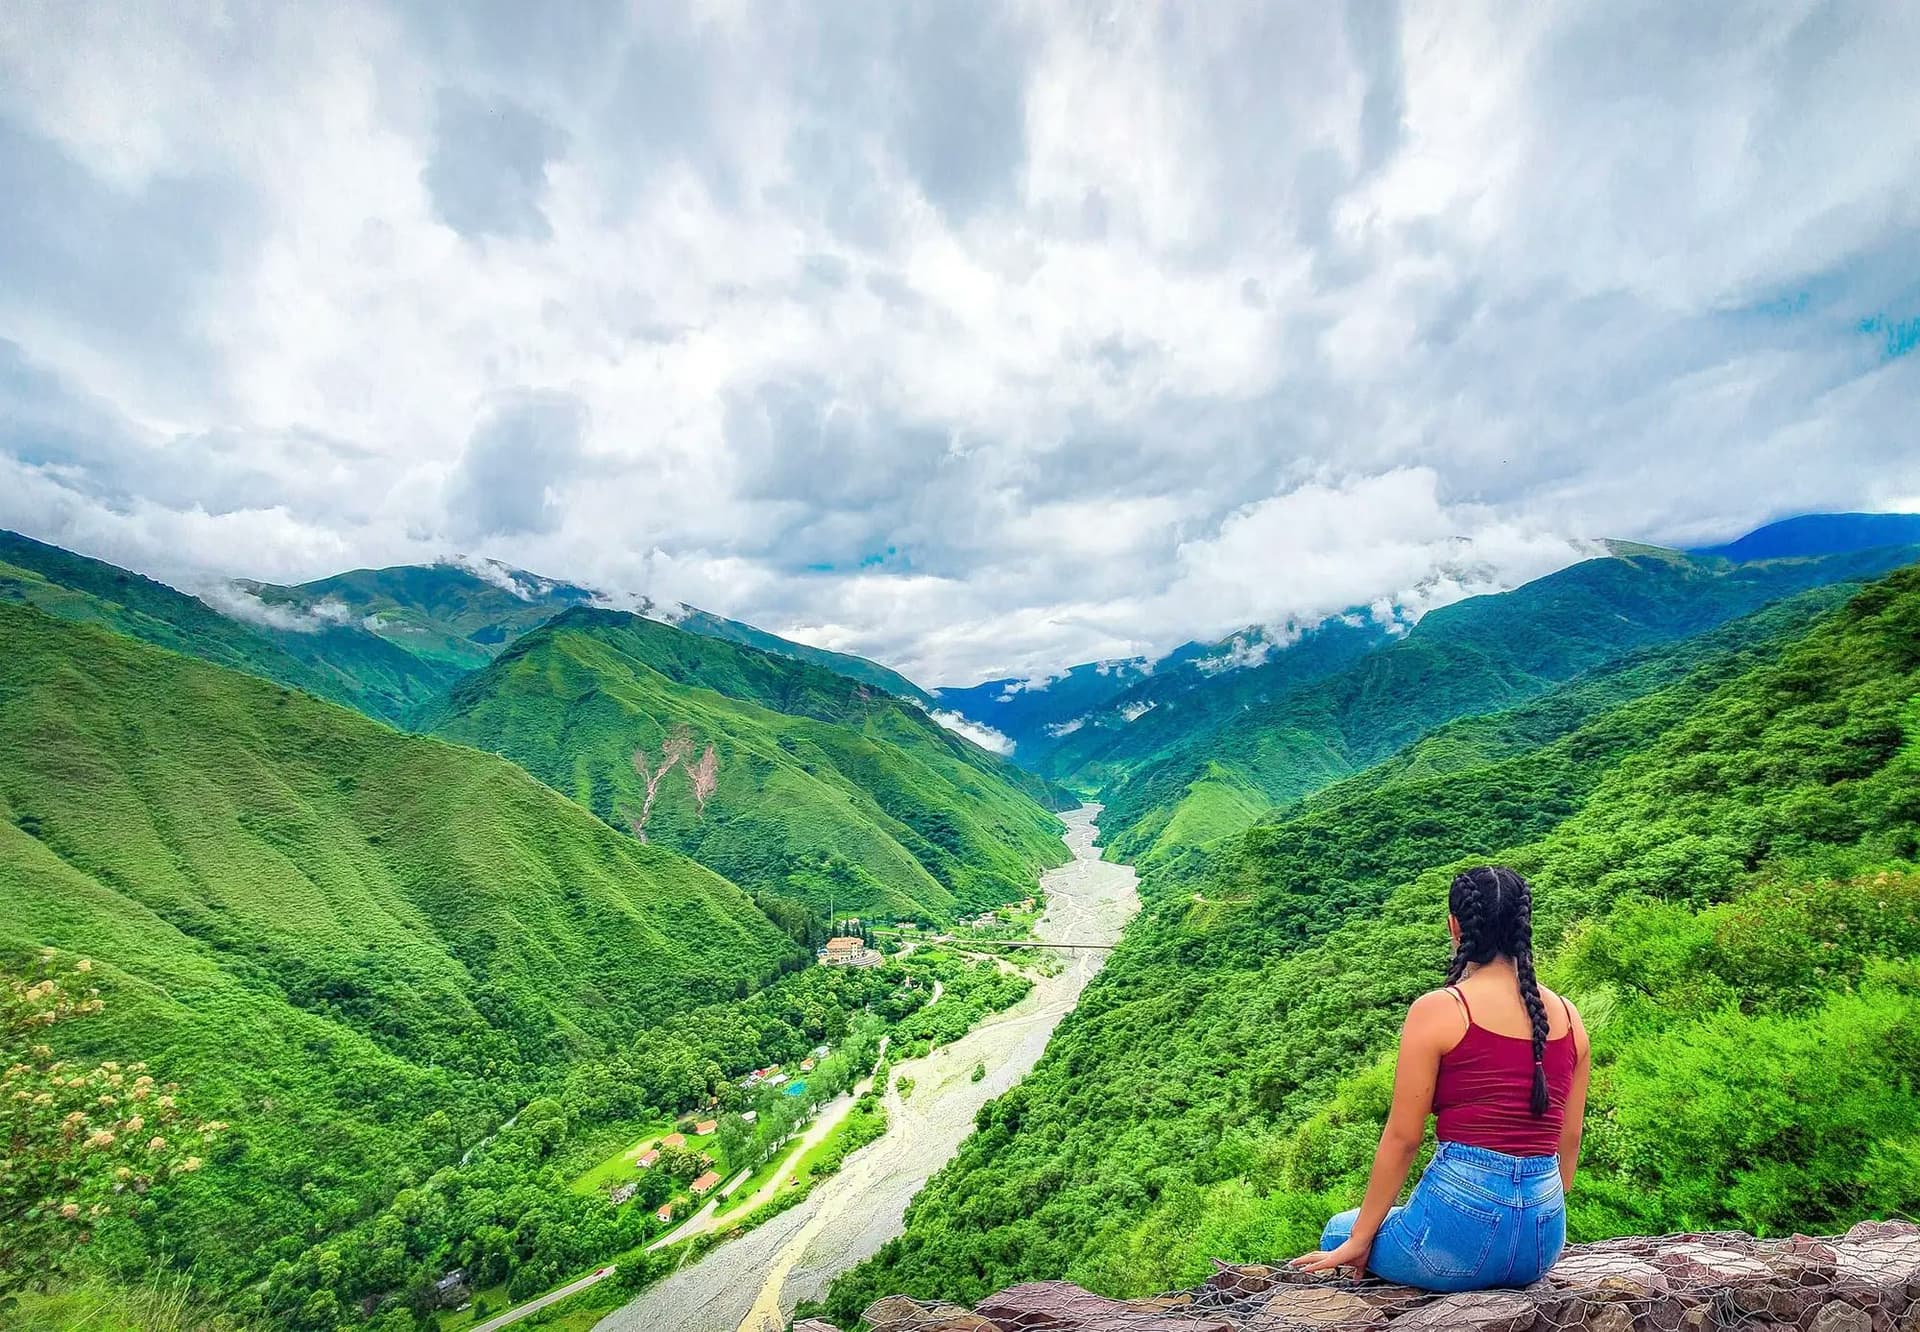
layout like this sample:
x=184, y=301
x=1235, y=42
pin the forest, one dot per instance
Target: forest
x=1722, y=835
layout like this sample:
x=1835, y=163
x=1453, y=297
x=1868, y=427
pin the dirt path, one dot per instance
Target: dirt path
x=752, y=1283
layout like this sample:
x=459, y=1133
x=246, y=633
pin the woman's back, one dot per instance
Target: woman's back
x=1482, y=1097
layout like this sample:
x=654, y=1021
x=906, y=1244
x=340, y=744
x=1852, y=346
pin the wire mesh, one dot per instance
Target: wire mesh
x=1867, y=1280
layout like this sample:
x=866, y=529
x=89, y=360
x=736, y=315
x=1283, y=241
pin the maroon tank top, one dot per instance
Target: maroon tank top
x=1483, y=1097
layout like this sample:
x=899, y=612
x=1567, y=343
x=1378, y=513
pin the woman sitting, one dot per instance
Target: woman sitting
x=1502, y=1065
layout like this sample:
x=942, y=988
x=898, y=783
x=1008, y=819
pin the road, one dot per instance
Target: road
x=752, y=1283
x=534, y=1306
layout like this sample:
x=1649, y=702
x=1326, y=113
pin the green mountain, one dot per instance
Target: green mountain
x=1722, y=835
x=465, y=614
x=825, y=792
x=333, y=656
x=1821, y=534
x=1475, y=656
x=361, y=947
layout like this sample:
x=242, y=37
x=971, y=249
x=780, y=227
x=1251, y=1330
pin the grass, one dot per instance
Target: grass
x=619, y=1167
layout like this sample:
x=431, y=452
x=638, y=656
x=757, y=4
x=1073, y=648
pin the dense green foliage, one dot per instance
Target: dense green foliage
x=825, y=793
x=335, y=658
x=1475, y=656
x=1721, y=837
x=359, y=947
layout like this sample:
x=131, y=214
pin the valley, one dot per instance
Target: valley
x=753, y=1283
x=452, y=905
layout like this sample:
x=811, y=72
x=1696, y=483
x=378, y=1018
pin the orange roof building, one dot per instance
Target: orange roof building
x=704, y=1185
x=705, y=1126
x=648, y=1159
x=674, y=1141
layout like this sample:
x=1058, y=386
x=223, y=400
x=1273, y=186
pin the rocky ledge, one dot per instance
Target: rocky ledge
x=1867, y=1280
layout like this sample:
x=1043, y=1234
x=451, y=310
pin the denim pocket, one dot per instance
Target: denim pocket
x=1454, y=1234
x=1549, y=1237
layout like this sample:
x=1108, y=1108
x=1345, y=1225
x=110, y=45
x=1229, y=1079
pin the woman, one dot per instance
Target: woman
x=1502, y=1065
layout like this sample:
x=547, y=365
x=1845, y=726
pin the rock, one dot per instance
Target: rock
x=1475, y=1311
x=1865, y=1230
x=814, y=1325
x=1307, y=1307
x=1610, y=1318
x=1596, y=1273
x=1242, y=1279
x=898, y=1313
x=1838, y=1317
x=1061, y=1306
x=1706, y=1266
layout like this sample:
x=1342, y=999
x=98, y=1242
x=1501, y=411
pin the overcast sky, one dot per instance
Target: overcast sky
x=978, y=339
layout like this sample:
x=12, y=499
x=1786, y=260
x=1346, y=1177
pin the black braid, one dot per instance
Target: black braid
x=1520, y=948
x=1494, y=906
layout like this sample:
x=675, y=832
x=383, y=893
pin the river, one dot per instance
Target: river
x=753, y=1283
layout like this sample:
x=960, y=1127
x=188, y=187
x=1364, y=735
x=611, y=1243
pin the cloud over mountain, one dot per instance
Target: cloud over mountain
x=980, y=339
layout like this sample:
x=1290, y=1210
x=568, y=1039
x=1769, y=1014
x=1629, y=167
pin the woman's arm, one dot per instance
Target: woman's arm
x=1576, y=1103
x=1431, y=1027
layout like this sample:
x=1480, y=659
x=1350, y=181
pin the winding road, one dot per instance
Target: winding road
x=752, y=1283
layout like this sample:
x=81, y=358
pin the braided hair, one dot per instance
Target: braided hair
x=1494, y=906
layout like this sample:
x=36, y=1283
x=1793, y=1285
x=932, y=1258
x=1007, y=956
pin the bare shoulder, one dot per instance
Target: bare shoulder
x=1555, y=1000
x=1434, y=1008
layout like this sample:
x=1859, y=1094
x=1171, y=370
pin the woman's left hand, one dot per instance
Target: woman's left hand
x=1352, y=1254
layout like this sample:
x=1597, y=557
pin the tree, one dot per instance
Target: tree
x=81, y=1140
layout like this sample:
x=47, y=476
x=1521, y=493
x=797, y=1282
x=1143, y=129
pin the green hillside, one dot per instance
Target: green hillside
x=825, y=792
x=465, y=615
x=1722, y=837
x=1475, y=656
x=360, y=947
x=336, y=659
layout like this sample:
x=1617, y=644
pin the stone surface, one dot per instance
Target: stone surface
x=1840, y=1318
x=1308, y=1307
x=1867, y=1280
x=1476, y=1311
x=898, y=1313
x=1061, y=1306
x=814, y=1325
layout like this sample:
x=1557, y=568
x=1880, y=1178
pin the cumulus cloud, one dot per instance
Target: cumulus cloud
x=980, y=339
x=981, y=734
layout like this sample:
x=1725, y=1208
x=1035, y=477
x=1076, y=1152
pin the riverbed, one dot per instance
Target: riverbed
x=753, y=1283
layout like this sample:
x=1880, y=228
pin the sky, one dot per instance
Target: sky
x=978, y=339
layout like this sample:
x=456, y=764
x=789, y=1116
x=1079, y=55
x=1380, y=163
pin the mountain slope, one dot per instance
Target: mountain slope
x=333, y=657
x=1820, y=534
x=825, y=792
x=1474, y=656
x=1725, y=879
x=466, y=614
x=327, y=929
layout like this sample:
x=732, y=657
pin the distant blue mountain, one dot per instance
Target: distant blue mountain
x=1820, y=534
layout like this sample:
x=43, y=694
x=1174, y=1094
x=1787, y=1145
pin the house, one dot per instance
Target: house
x=674, y=1142
x=819, y=1052
x=666, y=1211
x=704, y=1185
x=451, y=1289
x=748, y=1116
x=840, y=949
x=806, y=1066
x=648, y=1159
x=705, y=1127
x=776, y=1079
x=623, y=1193
x=846, y=950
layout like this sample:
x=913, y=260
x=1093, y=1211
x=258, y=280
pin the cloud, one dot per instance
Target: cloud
x=981, y=734
x=981, y=340
x=523, y=451
x=487, y=173
x=243, y=603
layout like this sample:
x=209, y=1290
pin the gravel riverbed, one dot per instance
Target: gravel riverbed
x=753, y=1283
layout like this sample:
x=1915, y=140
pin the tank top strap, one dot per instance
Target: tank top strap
x=1461, y=999
x=1567, y=1008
